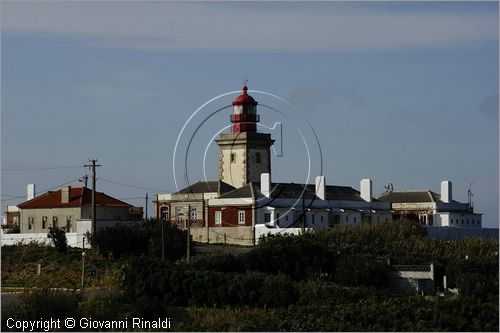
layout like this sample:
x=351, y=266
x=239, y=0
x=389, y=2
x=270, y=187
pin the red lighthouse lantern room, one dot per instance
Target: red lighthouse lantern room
x=244, y=117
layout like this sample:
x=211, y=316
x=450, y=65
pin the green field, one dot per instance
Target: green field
x=333, y=280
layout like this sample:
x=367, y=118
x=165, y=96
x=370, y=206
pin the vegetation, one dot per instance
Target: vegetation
x=58, y=237
x=333, y=280
x=140, y=239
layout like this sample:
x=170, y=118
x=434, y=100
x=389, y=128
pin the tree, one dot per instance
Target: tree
x=58, y=237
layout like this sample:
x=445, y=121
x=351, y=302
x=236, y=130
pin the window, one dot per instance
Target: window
x=241, y=217
x=233, y=157
x=44, y=222
x=178, y=214
x=54, y=221
x=347, y=219
x=164, y=213
x=286, y=217
x=30, y=223
x=354, y=219
x=467, y=221
x=68, y=223
x=313, y=218
x=267, y=217
x=462, y=221
x=451, y=221
x=257, y=158
x=194, y=214
x=218, y=217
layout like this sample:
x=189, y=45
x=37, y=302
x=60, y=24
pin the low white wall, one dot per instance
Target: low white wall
x=262, y=230
x=74, y=239
x=228, y=235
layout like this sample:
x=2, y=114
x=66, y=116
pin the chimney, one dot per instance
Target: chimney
x=65, y=194
x=31, y=192
x=366, y=189
x=320, y=187
x=265, y=184
x=446, y=191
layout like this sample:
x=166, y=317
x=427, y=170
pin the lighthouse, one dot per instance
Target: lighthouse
x=244, y=153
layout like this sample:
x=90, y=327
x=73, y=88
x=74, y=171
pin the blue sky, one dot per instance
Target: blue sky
x=401, y=92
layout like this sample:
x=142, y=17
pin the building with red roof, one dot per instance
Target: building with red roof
x=67, y=206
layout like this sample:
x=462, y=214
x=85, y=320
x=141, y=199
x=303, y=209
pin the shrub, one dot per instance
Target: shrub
x=358, y=270
x=44, y=303
x=177, y=286
x=140, y=239
x=297, y=256
x=58, y=237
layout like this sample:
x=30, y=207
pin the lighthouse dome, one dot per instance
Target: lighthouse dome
x=244, y=99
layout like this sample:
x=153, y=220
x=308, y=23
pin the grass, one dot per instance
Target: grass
x=58, y=270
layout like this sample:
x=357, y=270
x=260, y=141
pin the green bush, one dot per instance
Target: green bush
x=140, y=239
x=475, y=278
x=300, y=257
x=44, y=303
x=176, y=286
x=217, y=263
x=358, y=270
x=58, y=237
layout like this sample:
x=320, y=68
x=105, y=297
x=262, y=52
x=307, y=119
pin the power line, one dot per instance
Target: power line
x=14, y=198
x=10, y=195
x=133, y=186
x=135, y=198
x=94, y=208
x=23, y=196
x=39, y=168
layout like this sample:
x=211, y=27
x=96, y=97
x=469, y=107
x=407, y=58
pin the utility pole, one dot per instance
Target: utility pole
x=84, y=180
x=303, y=214
x=188, y=249
x=93, y=166
x=146, y=205
x=83, y=267
x=162, y=239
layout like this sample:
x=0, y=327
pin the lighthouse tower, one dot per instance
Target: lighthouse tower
x=244, y=153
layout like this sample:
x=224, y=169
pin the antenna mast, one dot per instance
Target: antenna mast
x=470, y=204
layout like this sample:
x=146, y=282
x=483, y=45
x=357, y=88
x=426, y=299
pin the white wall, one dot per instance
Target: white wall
x=350, y=218
x=74, y=239
x=39, y=213
x=261, y=230
x=322, y=217
x=458, y=220
x=224, y=235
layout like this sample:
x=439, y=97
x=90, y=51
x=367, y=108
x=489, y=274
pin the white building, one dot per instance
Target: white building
x=433, y=209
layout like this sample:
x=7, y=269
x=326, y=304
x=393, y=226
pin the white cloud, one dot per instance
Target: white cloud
x=166, y=25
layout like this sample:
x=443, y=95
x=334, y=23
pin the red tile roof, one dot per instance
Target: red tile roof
x=244, y=98
x=79, y=196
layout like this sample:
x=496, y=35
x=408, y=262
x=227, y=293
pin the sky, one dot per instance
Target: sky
x=399, y=92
